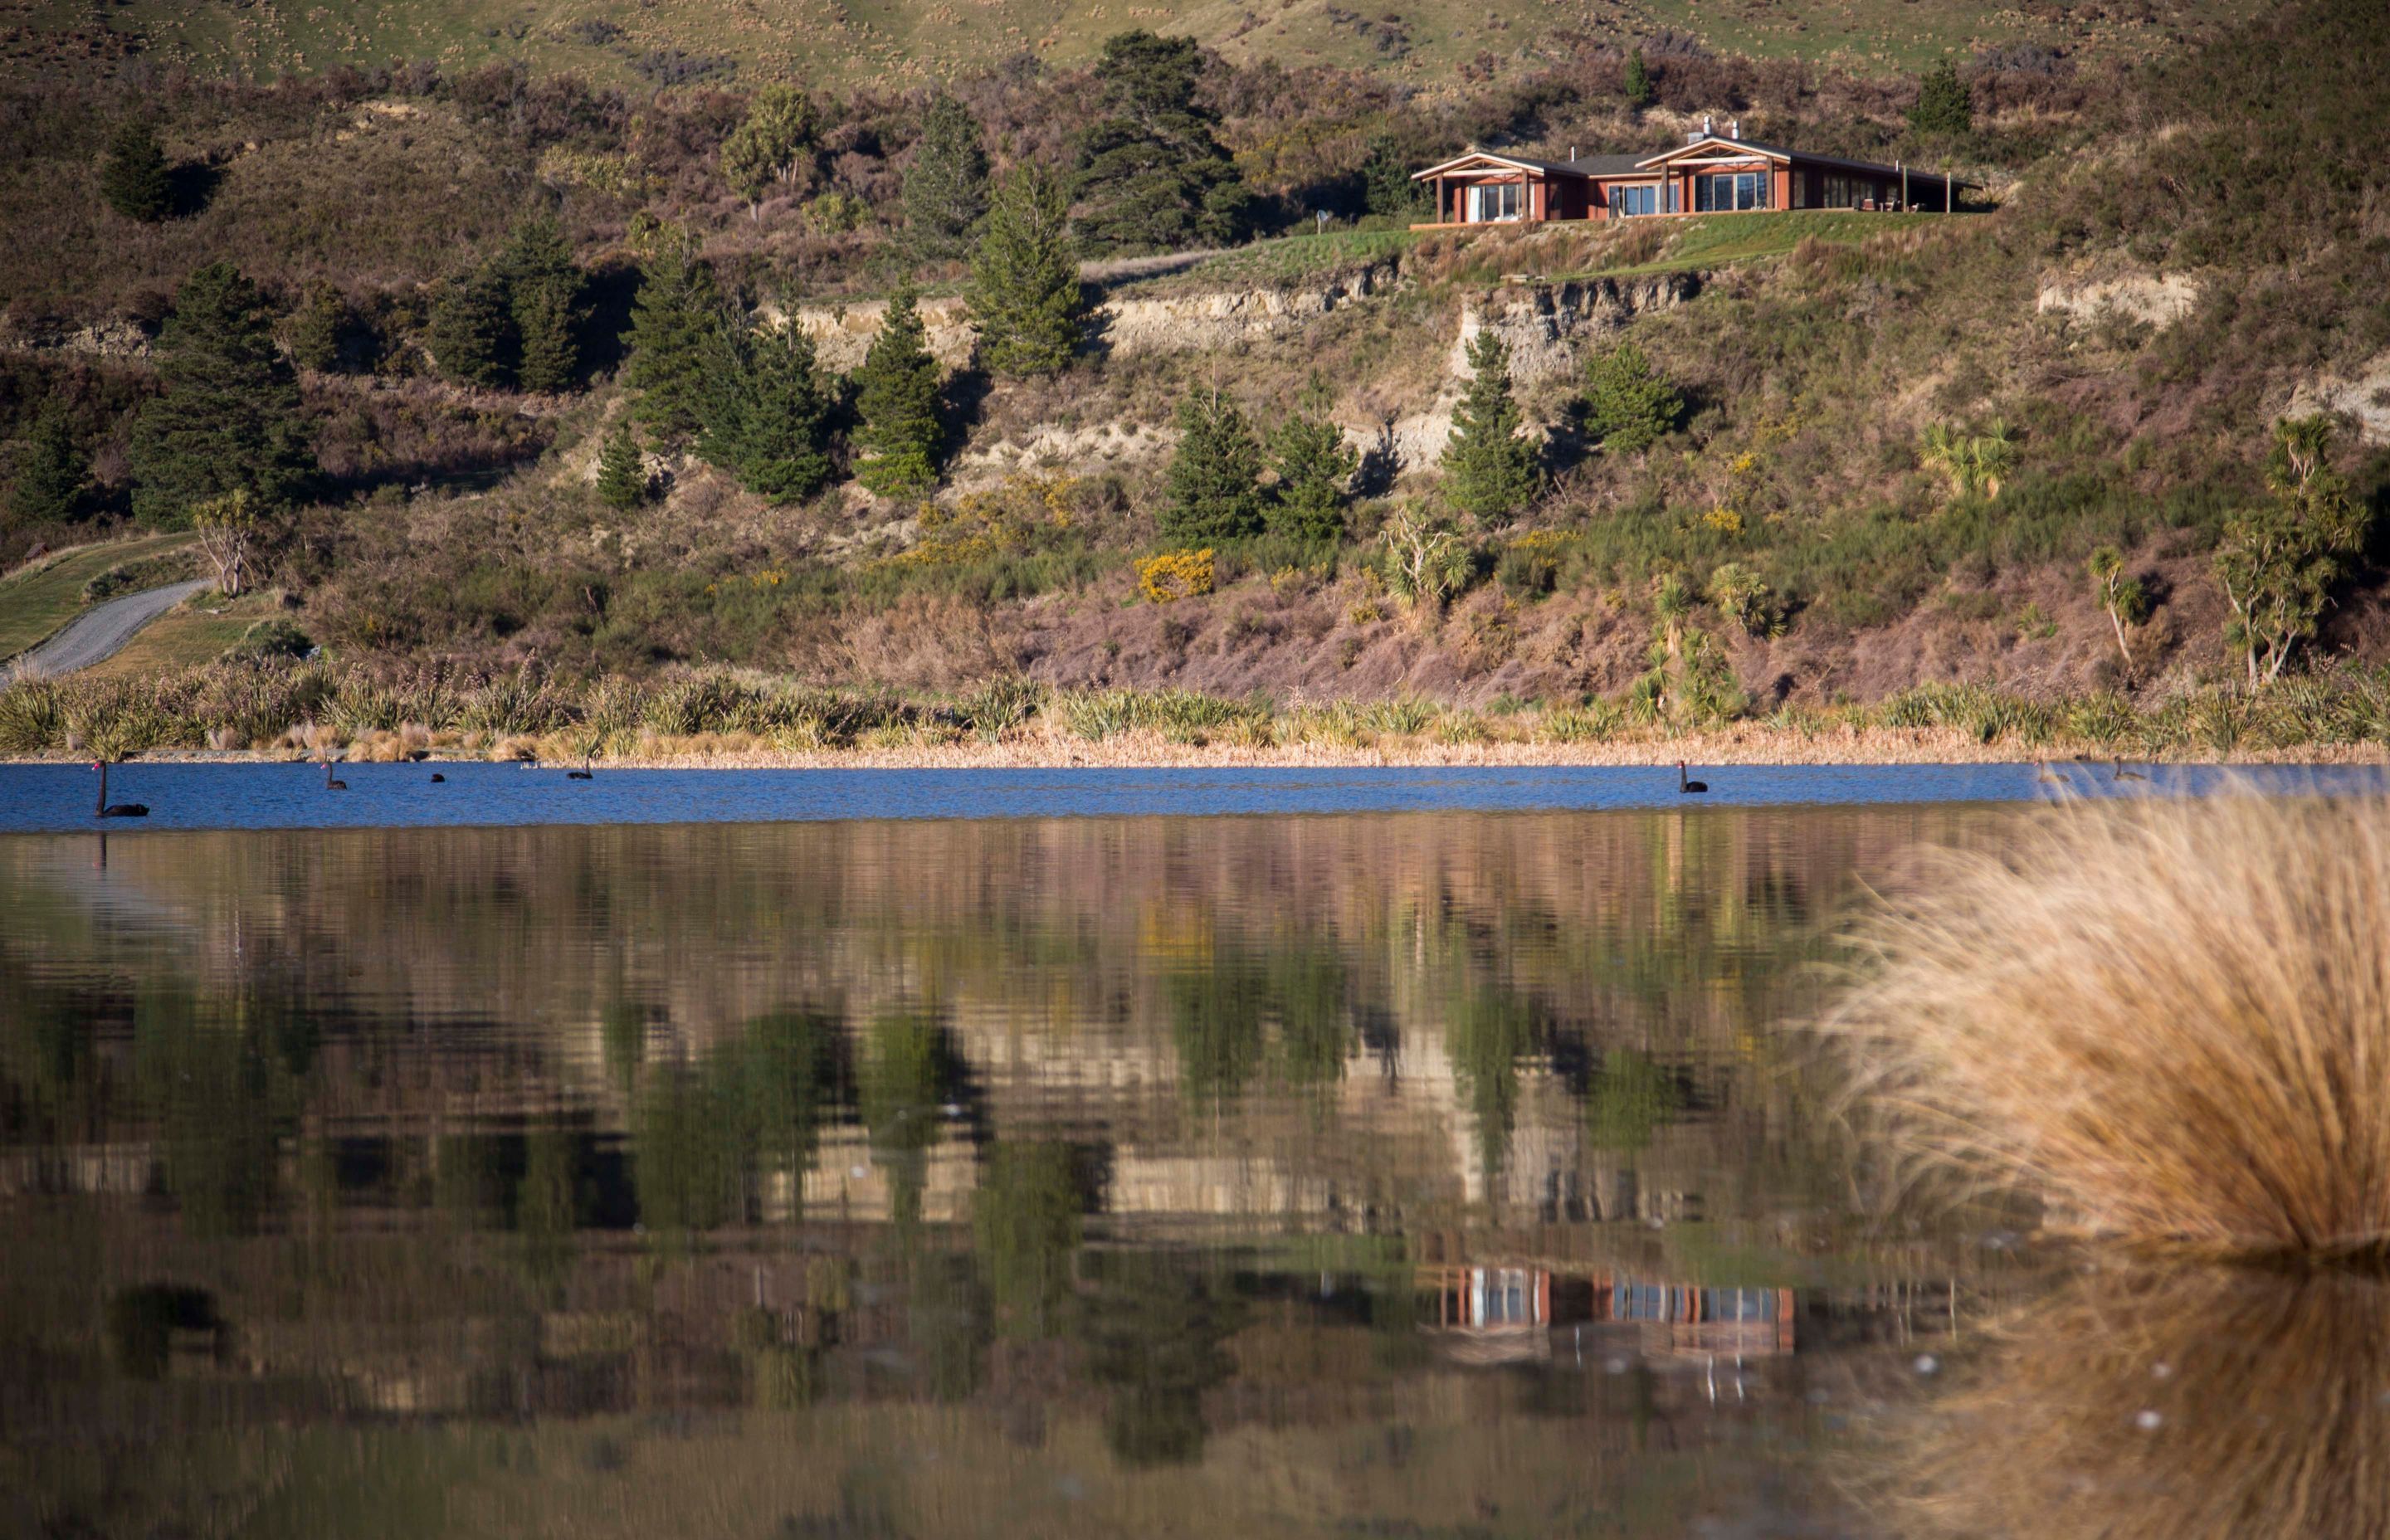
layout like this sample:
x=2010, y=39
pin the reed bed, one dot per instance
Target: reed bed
x=275, y=706
x=2168, y=1018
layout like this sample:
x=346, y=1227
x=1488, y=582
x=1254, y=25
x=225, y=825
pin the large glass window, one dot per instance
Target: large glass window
x=1497, y=200
x=1722, y=191
x=1635, y=201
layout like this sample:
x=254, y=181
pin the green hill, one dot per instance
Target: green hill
x=891, y=43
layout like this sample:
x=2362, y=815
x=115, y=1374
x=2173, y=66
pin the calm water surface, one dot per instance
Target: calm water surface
x=1386, y=1174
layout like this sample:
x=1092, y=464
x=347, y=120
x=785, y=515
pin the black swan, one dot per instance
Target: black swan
x=329, y=784
x=116, y=810
x=1689, y=787
x=438, y=779
x=581, y=774
x=2117, y=772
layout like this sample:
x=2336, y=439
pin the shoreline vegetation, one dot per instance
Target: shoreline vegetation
x=270, y=711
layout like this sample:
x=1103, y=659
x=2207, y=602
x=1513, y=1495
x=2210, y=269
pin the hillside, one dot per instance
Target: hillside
x=2111, y=330
x=890, y=44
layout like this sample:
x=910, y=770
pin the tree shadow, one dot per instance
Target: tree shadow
x=190, y=187
x=1381, y=463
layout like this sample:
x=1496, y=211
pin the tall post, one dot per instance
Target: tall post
x=1904, y=187
x=1949, y=206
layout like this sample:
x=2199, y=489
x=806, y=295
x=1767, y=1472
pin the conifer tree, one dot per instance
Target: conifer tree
x=1636, y=85
x=50, y=473
x=544, y=286
x=1386, y=184
x=320, y=329
x=622, y=467
x=1312, y=462
x=676, y=326
x=770, y=145
x=1024, y=291
x=1943, y=103
x=1212, y=484
x=472, y=334
x=769, y=422
x=1490, y=471
x=136, y=181
x=1153, y=173
x=229, y=417
x=1627, y=406
x=896, y=396
x=945, y=191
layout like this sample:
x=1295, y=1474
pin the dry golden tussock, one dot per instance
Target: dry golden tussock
x=2170, y=1020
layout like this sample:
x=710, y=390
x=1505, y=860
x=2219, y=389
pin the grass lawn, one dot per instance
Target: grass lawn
x=36, y=600
x=1722, y=241
x=199, y=630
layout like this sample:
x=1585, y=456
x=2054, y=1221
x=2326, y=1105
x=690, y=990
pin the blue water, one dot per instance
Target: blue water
x=56, y=797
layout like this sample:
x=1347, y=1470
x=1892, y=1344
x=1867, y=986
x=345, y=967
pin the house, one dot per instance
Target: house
x=1708, y=174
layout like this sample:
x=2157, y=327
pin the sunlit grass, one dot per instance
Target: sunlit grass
x=2170, y=1021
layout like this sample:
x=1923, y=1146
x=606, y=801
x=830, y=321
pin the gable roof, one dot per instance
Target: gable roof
x=1772, y=152
x=1608, y=166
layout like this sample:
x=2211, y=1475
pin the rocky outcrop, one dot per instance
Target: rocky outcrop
x=2153, y=300
x=2362, y=395
x=1128, y=325
x=843, y=334
x=1547, y=327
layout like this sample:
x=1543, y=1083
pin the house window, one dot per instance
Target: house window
x=1497, y=200
x=1724, y=191
x=1634, y=200
x=1838, y=191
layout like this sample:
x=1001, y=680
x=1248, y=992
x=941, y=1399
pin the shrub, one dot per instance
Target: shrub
x=33, y=717
x=1175, y=575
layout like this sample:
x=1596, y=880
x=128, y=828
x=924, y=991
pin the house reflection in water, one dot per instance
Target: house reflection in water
x=1508, y=1314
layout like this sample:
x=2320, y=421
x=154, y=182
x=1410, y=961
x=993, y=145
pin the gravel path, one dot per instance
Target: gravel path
x=101, y=632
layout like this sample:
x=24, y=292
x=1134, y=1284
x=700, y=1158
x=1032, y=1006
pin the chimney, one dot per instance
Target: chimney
x=1734, y=128
x=1705, y=132
x=1572, y=152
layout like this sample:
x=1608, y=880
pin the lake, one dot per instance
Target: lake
x=1383, y=1172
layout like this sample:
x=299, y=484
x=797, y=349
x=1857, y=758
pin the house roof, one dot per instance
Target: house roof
x=1599, y=167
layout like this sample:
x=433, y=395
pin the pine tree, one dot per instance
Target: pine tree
x=1312, y=462
x=1386, y=184
x=229, y=417
x=1943, y=103
x=1152, y=172
x=1213, y=482
x=622, y=467
x=675, y=325
x=1627, y=407
x=320, y=332
x=1024, y=290
x=896, y=396
x=945, y=191
x=136, y=181
x=472, y=334
x=50, y=473
x=770, y=145
x=1490, y=471
x=543, y=286
x=769, y=423
x=1636, y=86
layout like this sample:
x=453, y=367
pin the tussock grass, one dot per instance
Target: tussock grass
x=2170, y=1020
x=2162, y=1404
x=256, y=704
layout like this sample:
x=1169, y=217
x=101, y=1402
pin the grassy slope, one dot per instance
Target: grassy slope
x=197, y=631
x=37, y=600
x=895, y=41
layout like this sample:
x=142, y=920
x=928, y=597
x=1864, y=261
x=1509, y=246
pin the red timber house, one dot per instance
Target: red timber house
x=1708, y=174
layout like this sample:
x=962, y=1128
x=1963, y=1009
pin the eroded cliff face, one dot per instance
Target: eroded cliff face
x=1549, y=327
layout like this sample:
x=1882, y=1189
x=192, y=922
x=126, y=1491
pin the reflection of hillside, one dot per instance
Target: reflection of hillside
x=1328, y=1017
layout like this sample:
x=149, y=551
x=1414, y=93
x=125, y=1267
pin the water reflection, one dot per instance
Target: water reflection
x=1279, y=1175
x=2142, y=1401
